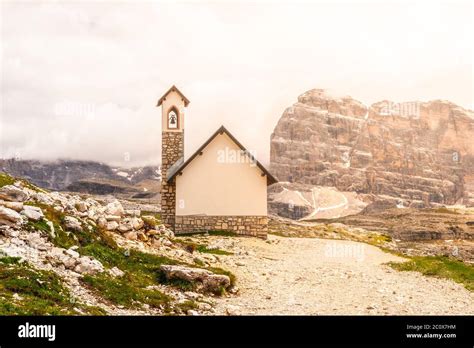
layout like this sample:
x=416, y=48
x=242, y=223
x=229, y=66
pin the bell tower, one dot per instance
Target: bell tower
x=173, y=104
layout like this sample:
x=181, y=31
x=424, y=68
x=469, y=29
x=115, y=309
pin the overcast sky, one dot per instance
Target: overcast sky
x=81, y=80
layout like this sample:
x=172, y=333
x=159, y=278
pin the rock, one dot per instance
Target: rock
x=102, y=222
x=413, y=155
x=152, y=232
x=113, y=218
x=232, y=310
x=9, y=216
x=88, y=265
x=114, y=208
x=204, y=306
x=192, y=312
x=13, y=194
x=69, y=262
x=210, y=282
x=116, y=272
x=131, y=235
x=125, y=226
x=73, y=224
x=133, y=212
x=33, y=213
x=137, y=223
x=16, y=206
x=72, y=253
x=142, y=236
x=216, y=282
x=43, y=198
x=80, y=206
x=112, y=226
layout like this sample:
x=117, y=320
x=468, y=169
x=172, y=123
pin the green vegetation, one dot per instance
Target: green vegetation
x=440, y=267
x=6, y=179
x=27, y=291
x=126, y=291
x=222, y=233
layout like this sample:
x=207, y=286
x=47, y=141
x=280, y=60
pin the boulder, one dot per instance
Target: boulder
x=114, y=208
x=16, y=206
x=113, y=217
x=209, y=281
x=81, y=206
x=125, y=226
x=102, y=222
x=87, y=265
x=32, y=213
x=116, y=272
x=131, y=235
x=13, y=194
x=9, y=216
x=112, y=225
x=43, y=198
x=137, y=223
x=72, y=223
x=133, y=212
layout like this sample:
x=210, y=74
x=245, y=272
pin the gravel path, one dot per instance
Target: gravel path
x=312, y=276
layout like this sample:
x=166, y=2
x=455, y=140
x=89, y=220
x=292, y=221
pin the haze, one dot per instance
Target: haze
x=81, y=80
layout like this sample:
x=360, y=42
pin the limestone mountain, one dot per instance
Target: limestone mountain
x=414, y=154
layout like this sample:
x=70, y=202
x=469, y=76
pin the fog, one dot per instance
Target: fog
x=81, y=80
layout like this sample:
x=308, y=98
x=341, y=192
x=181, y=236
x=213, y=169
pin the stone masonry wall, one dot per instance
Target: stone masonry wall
x=256, y=226
x=172, y=147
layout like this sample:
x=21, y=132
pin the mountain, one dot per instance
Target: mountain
x=413, y=154
x=86, y=177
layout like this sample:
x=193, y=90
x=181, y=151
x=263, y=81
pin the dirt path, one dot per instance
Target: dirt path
x=316, y=276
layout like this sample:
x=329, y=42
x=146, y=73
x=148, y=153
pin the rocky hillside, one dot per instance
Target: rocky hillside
x=411, y=154
x=86, y=177
x=62, y=254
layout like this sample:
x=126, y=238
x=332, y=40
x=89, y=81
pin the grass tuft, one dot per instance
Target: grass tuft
x=440, y=267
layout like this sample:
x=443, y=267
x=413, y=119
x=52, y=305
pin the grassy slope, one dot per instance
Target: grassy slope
x=141, y=270
x=440, y=267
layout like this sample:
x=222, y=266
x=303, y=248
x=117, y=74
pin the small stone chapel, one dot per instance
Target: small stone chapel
x=220, y=187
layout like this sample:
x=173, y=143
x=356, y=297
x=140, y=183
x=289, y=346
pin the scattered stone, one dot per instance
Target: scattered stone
x=210, y=282
x=73, y=224
x=116, y=272
x=137, y=223
x=112, y=225
x=114, y=208
x=102, y=222
x=113, y=217
x=13, y=194
x=9, y=216
x=131, y=235
x=32, y=212
x=16, y=206
x=81, y=206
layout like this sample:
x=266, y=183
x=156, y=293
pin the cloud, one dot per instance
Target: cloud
x=81, y=79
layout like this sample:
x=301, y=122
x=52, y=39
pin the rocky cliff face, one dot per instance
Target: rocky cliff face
x=416, y=154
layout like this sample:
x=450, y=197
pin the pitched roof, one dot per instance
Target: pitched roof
x=180, y=164
x=172, y=89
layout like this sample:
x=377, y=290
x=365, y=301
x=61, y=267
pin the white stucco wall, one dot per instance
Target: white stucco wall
x=214, y=184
